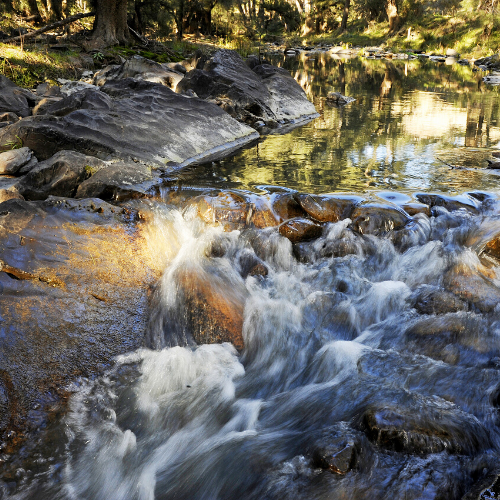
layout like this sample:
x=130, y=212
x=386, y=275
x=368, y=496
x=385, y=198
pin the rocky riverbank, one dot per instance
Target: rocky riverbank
x=75, y=271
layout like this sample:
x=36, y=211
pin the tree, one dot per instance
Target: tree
x=110, y=25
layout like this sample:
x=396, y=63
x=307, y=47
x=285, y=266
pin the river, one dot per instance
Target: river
x=369, y=370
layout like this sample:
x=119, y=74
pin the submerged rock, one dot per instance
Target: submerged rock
x=337, y=99
x=264, y=92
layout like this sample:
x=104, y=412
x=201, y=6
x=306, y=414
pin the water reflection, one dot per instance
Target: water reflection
x=411, y=121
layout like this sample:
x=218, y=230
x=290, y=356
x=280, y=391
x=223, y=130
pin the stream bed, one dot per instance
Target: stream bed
x=371, y=359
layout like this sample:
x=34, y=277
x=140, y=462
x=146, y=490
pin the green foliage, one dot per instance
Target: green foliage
x=14, y=144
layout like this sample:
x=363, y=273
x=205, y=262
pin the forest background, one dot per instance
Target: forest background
x=471, y=27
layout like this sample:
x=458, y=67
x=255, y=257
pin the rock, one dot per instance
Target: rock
x=143, y=69
x=298, y=230
x=78, y=298
x=72, y=87
x=229, y=209
x=451, y=203
x=11, y=161
x=251, y=265
x=452, y=53
x=262, y=213
x=118, y=182
x=337, y=99
x=378, y=219
x=113, y=123
x=475, y=289
x=336, y=459
x=431, y=300
x=213, y=309
x=285, y=206
x=14, y=99
x=264, y=93
x=8, y=117
x=493, y=164
x=490, y=63
x=58, y=176
x=414, y=208
x=329, y=208
x=9, y=193
x=430, y=427
x=487, y=488
x=43, y=107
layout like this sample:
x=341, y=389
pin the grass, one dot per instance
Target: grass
x=472, y=34
x=29, y=67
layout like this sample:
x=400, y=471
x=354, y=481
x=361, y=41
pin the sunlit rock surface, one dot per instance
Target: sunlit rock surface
x=264, y=92
x=132, y=119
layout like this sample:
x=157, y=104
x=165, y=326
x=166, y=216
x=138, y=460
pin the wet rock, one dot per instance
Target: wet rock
x=298, y=229
x=337, y=99
x=77, y=299
x=414, y=208
x=264, y=93
x=9, y=193
x=229, y=209
x=213, y=308
x=432, y=300
x=378, y=219
x=490, y=62
x=119, y=181
x=251, y=265
x=336, y=459
x=58, y=176
x=487, y=488
x=472, y=287
x=263, y=215
x=14, y=99
x=452, y=53
x=112, y=123
x=328, y=208
x=451, y=203
x=11, y=161
x=285, y=206
x=432, y=428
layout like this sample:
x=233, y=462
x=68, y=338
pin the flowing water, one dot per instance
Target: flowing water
x=371, y=366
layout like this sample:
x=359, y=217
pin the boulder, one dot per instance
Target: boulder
x=430, y=428
x=299, y=229
x=141, y=68
x=264, y=92
x=11, y=161
x=75, y=277
x=432, y=300
x=60, y=175
x=131, y=119
x=8, y=117
x=329, y=208
x=472, y=287
x=14, y=99
x=213, y=311
x=118, y=182
x=378, y=218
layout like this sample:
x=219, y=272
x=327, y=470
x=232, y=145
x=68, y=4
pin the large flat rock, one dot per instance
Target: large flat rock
x=131, y=119
x=74, y=278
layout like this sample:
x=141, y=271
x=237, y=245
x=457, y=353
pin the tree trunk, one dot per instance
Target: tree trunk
x=179, y=19
x=110, y=26
x=392, y=13
x=33, y=9
x=56, y=9
x=345, y=15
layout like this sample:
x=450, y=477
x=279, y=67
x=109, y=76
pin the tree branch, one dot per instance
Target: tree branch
x=49, y=27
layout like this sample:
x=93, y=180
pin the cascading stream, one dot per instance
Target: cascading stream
x=362, y=375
